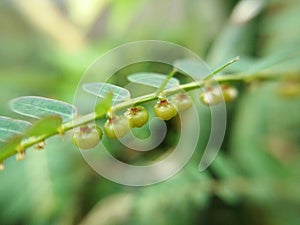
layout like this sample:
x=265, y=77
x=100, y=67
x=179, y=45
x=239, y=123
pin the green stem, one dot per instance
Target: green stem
x=26, y=143
x=222, y=67
x=163, y=85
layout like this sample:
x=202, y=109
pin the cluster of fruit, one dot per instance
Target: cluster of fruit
x=117, y=126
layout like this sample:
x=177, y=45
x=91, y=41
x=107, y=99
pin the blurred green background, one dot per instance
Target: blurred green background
x=45, y=47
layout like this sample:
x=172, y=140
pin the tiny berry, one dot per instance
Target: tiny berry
x=165, y=110
x=87, y=137
x=215, y=95
x=182, y=101
x=116, y=127
x=137, y=116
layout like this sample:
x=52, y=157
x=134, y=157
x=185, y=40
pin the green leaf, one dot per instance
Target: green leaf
x=103, y=106
x=245, y=63
x=10, y=127
x=44, y=126
x=152, y=79
x=281, y=29
x=224, y=167
x=9, y=148
x=252, y=141
x=279, y=62
x=39, y=107
x=193, y=68
x=103, y=89
x=238, y=34
x=246, y=10
x=198, y=69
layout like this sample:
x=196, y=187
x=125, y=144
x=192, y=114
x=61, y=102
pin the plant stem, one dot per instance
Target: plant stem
x=163, y=85
x=28, y=142
x=222, y=67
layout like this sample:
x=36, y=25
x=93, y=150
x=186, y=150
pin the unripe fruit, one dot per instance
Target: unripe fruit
x=182, y=101
x=165, y=110
x=116, y=127
x=87, y=137
x=215, y=95
x=137, y=116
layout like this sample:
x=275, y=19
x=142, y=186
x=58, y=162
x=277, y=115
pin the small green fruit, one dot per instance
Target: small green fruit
x=137, y=116
x=182, y=101
x=87, y=137
x=215, y=95
x=165, y=110
x=116, y=127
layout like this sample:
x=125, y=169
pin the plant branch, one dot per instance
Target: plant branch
x=85, y=119
x=163, y=85
x=222, y=68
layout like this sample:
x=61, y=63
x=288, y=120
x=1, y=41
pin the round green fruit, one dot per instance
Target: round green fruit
x=215, y=95
x=137, y=116
x=87, y=137
x=165, y=110
x=182, y=101
x=116, y=127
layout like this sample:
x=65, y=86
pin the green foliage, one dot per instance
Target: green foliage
x=55, y=115
x=44, y=127
x=191, y=67
x=10, y=127
x=103, y=89
x=254, y=179
x=152, y=79
x=10, y=148
x=38, y=107
x=103, y=106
